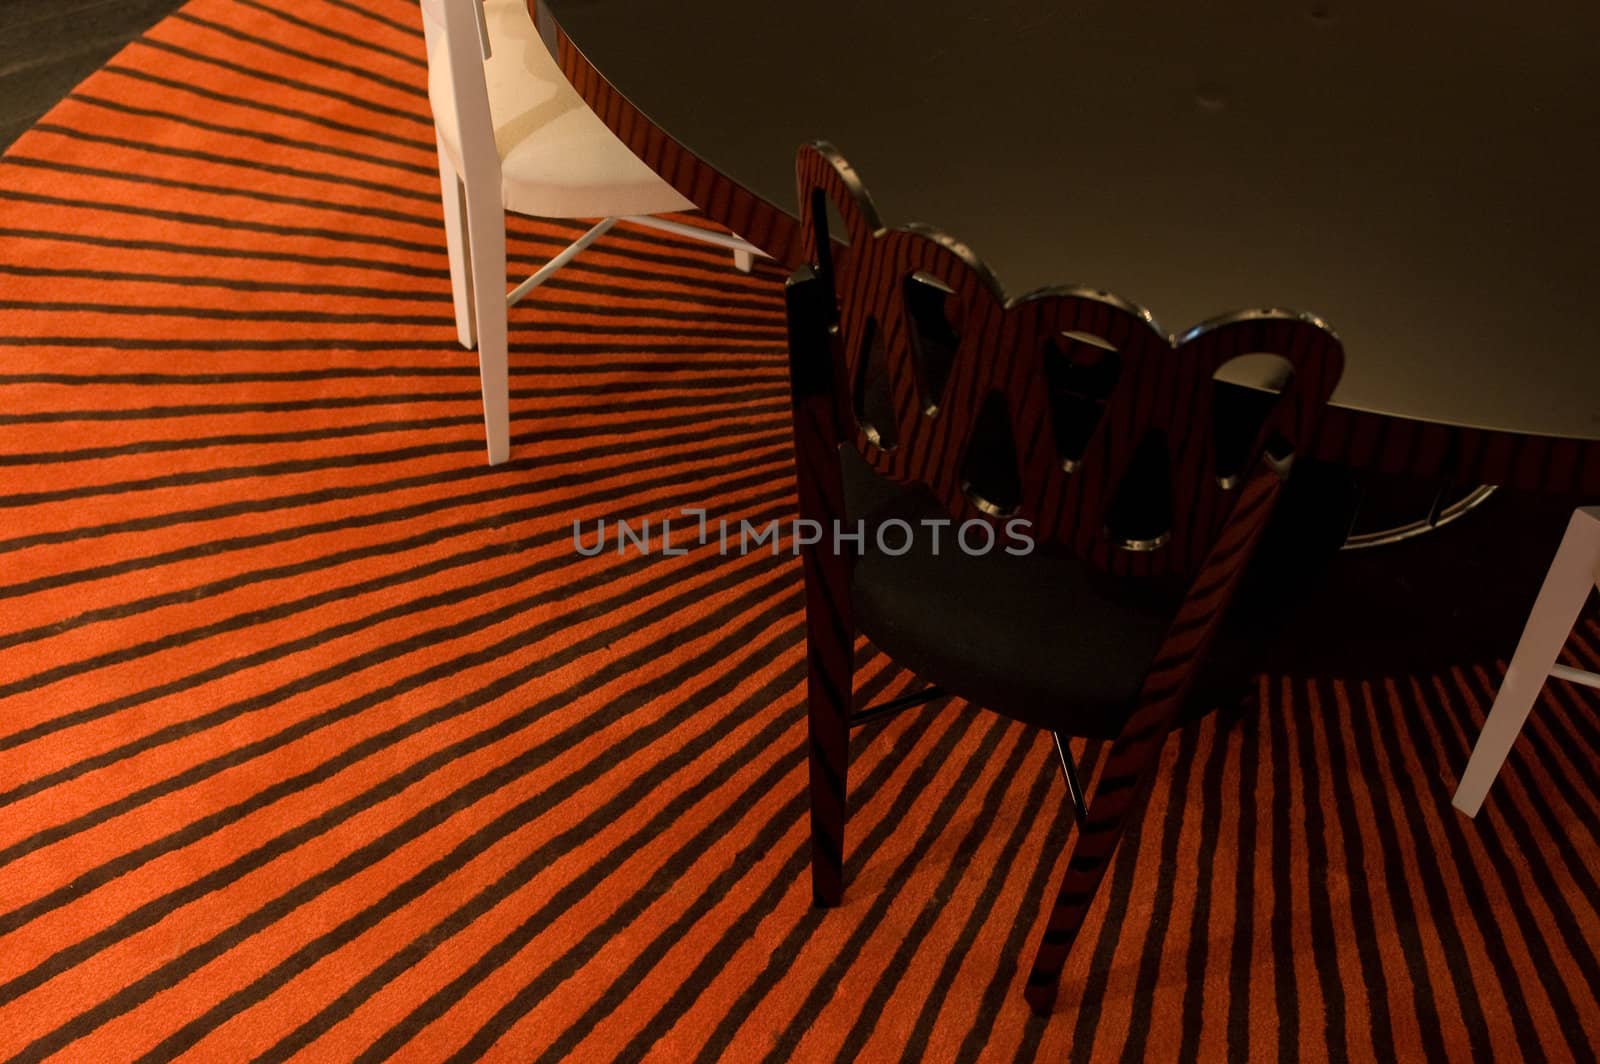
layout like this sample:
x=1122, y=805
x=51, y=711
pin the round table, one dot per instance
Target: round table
x=1424, y=177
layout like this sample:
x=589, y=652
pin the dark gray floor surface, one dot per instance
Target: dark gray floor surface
x=48, y=46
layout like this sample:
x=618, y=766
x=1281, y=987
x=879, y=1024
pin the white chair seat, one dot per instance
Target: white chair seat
x=557, y=159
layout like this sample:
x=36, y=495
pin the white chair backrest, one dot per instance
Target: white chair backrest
x=457, y=31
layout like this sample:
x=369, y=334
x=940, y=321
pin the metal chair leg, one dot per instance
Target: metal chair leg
x=885, y=710
x=1069, y=772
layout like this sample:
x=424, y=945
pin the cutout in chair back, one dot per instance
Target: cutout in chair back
x=1080, y=371
x=872, y=396
x=990, y=475
x=826, y=223
x=1244, y=391
x=933, y=337
x=1141, y=512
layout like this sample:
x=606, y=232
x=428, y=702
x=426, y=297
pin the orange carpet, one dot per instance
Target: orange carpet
x=319, y=741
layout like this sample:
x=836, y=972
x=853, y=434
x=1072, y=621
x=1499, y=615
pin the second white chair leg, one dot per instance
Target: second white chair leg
x=1561, y=598
x=454, y=196
x=486, y=242
x=743, y=261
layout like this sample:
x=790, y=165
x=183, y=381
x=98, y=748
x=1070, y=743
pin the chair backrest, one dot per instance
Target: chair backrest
x=1068, y=407
x=457, y=33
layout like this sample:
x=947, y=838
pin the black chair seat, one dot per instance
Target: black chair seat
x=1043, y=638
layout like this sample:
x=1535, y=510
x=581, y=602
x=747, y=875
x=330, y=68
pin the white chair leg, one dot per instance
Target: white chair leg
x=1561, y=598
x=744, y=252
x=486, y=242
x=454, y=196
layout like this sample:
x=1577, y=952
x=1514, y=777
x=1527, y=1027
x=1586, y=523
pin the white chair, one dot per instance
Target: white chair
x=1566, y=588
x=514, y=135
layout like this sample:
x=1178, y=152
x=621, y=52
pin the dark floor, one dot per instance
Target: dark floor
x=48, y=46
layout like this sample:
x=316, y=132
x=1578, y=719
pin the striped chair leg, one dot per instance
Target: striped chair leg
x=830, y=624
x=1118, y=798
x=1125, y=782
x=828, y=729
x=830, y=678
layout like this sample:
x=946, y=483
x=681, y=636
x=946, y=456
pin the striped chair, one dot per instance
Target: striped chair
x=513, y=135
x=1119, y=503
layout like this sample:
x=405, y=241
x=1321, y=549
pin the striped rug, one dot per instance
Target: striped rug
x=319, y=740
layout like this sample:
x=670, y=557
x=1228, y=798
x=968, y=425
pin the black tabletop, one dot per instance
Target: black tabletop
x=1423, y=175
